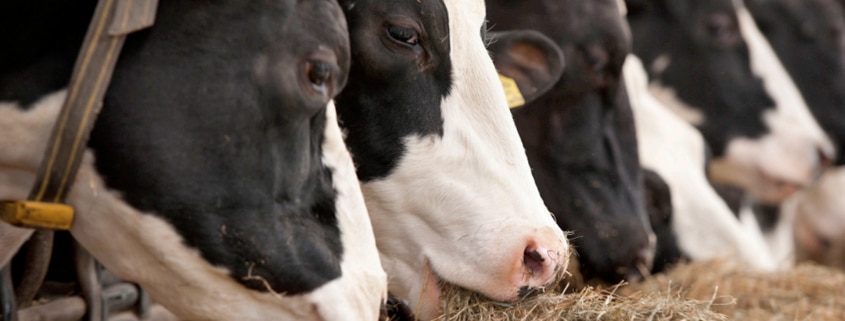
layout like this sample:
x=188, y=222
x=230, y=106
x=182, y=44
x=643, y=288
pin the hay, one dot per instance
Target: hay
x=704, y=291
x=588, y=304
x=807, y=292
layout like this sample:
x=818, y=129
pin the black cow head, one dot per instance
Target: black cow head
x=580, y=136
x=219, y=179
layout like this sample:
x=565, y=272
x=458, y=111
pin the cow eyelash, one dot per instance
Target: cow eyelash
x=485, y=28
x=404, y=35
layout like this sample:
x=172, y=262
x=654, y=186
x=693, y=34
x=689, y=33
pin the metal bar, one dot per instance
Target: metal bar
x=8, y=308
x=89, y=281
x=38, y=254
x=64, y=309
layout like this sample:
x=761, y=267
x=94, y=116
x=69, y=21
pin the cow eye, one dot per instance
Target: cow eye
x=722, y=29
x=404, y=35
x=320, y=74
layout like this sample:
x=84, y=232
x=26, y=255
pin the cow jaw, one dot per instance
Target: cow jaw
x=478, y=218
x=143, y=248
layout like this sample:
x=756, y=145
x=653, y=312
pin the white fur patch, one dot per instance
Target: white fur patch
x=669, y=98
x=659, y=65
x=466, y=203
x=147, y=250
x=703, y=224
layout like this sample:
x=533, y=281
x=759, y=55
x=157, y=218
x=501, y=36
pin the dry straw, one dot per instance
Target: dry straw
x=692, y=292
x=808, y=292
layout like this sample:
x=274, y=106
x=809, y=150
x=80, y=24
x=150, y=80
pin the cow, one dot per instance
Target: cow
x=697, y=224
x=580, y=135
x=444, y=174
x=216, y=176
x=707, y=61
x=809, y=38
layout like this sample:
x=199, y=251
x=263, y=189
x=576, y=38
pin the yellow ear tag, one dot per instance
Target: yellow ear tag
x=512, y=92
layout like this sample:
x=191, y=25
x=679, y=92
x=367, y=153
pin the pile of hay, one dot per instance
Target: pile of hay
x=702, y=291
x=806, y=292
x=588, y=304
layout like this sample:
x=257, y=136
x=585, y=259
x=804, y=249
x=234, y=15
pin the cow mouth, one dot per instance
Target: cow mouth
x=775, y=189
x=429, y=299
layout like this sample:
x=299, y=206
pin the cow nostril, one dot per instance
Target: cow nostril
x=533, y=261
x=634, y=276
x=320, y=75
x=825, y=161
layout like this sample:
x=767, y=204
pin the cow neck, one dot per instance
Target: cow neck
x=113, y=20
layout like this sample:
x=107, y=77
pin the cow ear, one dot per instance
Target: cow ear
x=635, y=6
x=533, y=61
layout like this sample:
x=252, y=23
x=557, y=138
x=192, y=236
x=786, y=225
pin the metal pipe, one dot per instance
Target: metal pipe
x=64, y=309
x=8, y=308
x=38, y=254
x=89, y=281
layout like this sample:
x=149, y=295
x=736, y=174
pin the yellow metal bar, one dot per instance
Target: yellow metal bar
x=33, y=214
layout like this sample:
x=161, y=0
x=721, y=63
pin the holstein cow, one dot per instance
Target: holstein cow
x=445, y=177
x=700, y=223
x=580, y=135
x=708, y=62
x=216, y=176
x=809, y=38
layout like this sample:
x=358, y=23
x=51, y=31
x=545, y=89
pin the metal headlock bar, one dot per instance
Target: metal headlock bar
x=44, y=209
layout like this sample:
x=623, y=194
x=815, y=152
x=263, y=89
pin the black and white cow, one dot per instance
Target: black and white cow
x=809, y=38
x=580, y=136
x=697, y=224
x=445, y=177
x=708, y=62
x=216, y=175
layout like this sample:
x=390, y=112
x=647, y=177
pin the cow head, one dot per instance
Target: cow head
x=699, y=223
x=219, y=179
x=445, y=177
x=580, y=137
x=819, y=221
x=708, y=62
x=809, y=38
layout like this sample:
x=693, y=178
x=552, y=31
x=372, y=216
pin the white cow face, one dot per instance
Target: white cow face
x=443, y=171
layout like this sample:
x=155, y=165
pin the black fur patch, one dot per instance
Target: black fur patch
x=395, y=88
